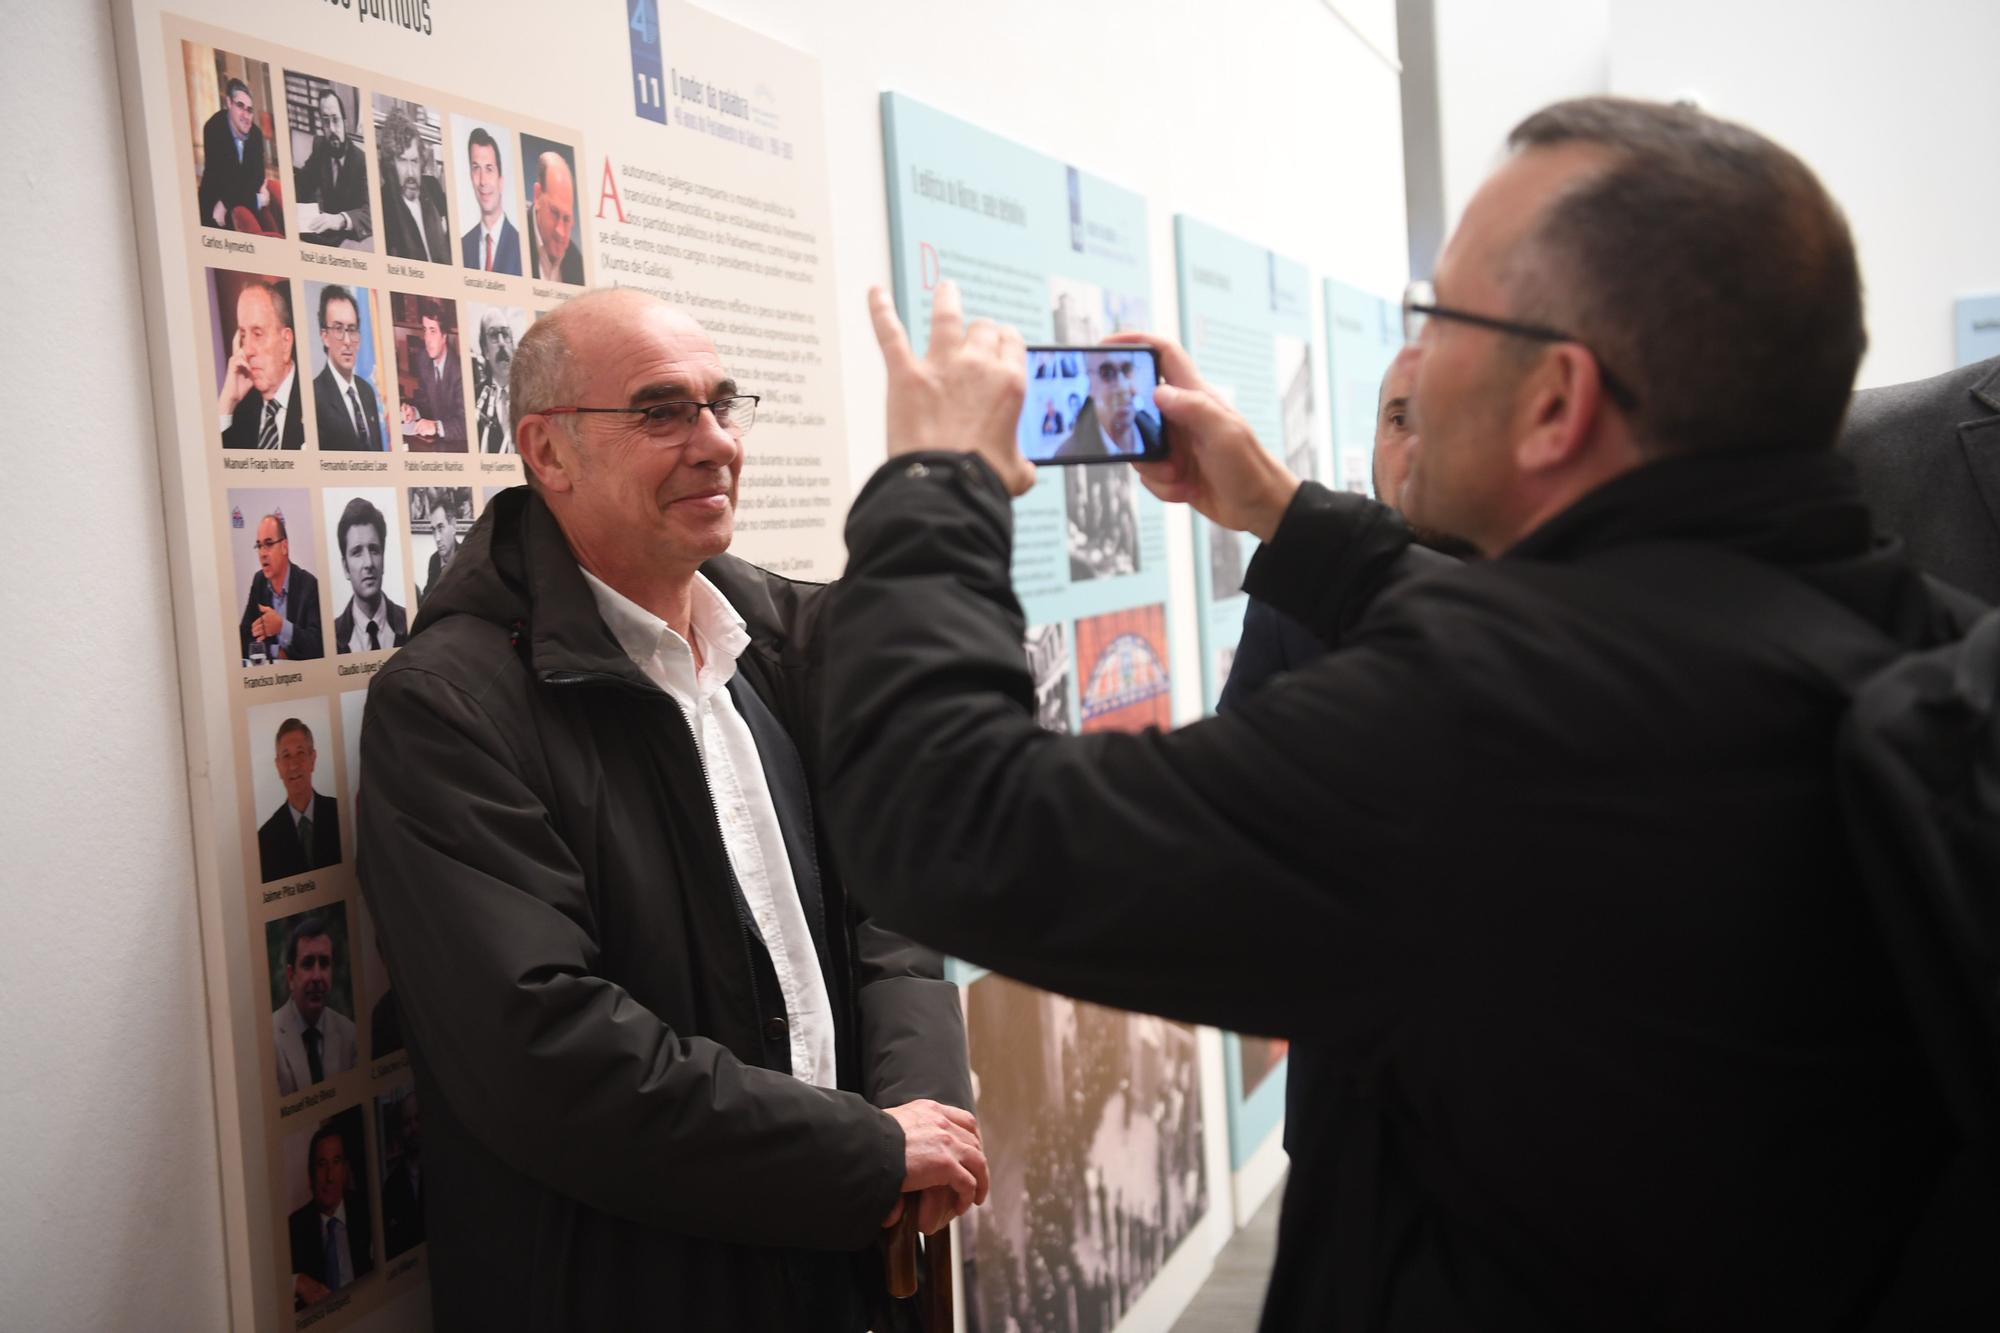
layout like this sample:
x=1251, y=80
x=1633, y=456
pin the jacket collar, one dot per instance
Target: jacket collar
x=516, y=570
x=1786, y=506
x=1987, y=391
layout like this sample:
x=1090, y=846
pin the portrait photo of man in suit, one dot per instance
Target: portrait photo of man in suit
x=492, y=243
x=438, y=514
x=500, y=331
x=313, y=1040
x=280, y=620
x=258, y=402
x=430, y=383
x=413, y=211
x=332, y=1239
x=345, y=405
x=236, y=171
x=371, y=621
x=553, y=253
x=303, y=833
x=331, y=181
x=402, y=1140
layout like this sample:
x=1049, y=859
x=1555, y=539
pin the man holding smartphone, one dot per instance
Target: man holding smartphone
x=1544, y=863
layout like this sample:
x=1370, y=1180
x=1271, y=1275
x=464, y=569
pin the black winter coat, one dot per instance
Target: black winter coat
x=1542, y=870
x=613, y=1140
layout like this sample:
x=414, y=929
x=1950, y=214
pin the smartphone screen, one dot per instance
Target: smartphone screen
x=1091, y=405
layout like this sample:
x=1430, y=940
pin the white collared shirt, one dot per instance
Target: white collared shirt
x=357, y=638
x=282, y=396
x=1112, y=446
x=490, y=237
x=743, y=803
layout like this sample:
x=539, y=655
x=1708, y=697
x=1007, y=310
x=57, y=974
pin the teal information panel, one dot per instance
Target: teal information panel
x=1363, y=335
x=1978, y=328
x=1062, y=256
x=1245, y=317
x=1246, y=320
x=1091, y=1117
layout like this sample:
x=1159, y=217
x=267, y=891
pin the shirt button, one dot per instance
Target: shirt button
x=775, y=1029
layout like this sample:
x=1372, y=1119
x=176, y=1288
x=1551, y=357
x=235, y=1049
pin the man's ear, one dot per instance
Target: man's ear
x=543, y=454
x=1562, y=398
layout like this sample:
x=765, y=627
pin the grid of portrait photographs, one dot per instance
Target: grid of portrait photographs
x=367, y=256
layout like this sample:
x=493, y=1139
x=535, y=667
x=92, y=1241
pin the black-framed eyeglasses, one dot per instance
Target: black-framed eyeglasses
x=673, y=421
x=1420, y=307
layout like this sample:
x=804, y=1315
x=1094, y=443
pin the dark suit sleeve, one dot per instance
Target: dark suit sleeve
x=1271, y=643
x=260, y=592
x=212, y=168
x=1164, y=872
x=912, y=1027
x=451, y=412
x=308, y=1259
x=488, y=925
x=308, y=640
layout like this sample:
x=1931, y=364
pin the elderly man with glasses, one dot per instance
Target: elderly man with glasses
x=673, y=1077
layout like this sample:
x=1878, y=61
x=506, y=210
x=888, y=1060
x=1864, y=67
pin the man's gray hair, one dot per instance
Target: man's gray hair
x=543, y=375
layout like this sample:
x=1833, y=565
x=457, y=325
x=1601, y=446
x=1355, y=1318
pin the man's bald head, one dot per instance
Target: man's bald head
x=555, y=208
x=550, y=362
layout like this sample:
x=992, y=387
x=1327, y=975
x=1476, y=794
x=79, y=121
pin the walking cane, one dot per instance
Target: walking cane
x=901, y=1265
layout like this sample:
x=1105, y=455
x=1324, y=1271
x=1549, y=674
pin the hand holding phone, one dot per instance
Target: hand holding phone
x=1092, y=405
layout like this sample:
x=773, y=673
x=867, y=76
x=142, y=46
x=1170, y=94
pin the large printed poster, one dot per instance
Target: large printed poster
x=350, y=214
x=1091, y=1117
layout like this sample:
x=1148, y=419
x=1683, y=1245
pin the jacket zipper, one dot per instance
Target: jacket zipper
x=746, y=930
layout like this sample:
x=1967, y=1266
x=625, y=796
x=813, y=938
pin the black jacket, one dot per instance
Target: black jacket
x=309, y=1247
x=1543, y=867
x=279, y=853
x=612, y=1139
x=225, y=180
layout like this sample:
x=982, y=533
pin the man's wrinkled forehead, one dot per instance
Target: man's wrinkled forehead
x=1094, y=361
x=644, y=349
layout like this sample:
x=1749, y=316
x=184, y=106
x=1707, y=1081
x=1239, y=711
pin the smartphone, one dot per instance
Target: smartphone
x=1092, y=405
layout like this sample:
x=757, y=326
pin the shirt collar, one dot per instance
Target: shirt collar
x=282, y=395
x=644, y=635
x=346, y=382
x=339, y=1214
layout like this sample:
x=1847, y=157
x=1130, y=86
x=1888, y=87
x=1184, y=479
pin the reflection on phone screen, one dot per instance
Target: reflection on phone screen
x=1090, y=404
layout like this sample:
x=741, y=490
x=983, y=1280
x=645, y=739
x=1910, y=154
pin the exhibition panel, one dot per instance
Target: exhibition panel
x=1092, y=1118
x=350, y=215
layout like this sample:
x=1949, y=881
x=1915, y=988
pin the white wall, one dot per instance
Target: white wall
x=113, y=1215
x=1275, y=120
x=1895, y=106
x=1498, y=62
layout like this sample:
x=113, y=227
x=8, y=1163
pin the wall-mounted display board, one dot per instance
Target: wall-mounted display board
x=1978, y=328
x=1091, y=1118
x=1363, y=335
x=350, y=212
x=1246, y=319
